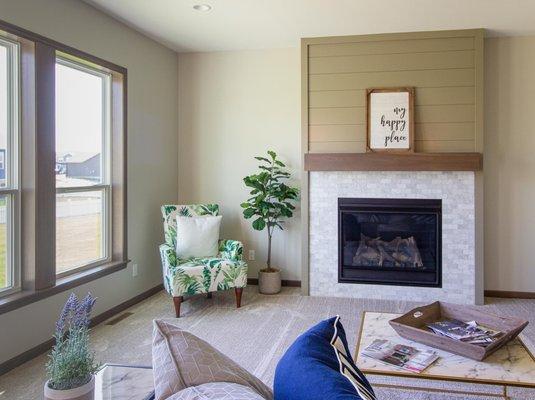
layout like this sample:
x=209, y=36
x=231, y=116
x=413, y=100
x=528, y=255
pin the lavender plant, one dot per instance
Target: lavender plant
x=71, y=363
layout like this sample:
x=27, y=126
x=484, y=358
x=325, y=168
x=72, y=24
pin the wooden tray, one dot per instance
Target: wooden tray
x=412, y=326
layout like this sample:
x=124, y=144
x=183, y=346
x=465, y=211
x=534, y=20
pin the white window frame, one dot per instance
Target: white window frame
x=11, y=191
x=105, y=187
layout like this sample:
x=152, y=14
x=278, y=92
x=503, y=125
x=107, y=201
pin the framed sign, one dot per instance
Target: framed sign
x=390, y=119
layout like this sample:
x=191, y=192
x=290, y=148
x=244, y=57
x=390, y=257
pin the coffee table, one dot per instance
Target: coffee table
x=509, y=373
x=124, y=382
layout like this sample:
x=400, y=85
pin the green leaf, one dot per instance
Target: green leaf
x=263, y=159
x=259, y=224
x=280, y=163
x=281, y=175
x=249, y=212
x=272, y=154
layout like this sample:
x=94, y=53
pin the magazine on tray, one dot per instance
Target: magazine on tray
x=469, y=332
x=399, y=355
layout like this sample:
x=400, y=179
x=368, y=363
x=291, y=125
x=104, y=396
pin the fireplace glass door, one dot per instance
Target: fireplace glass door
x=390, y=241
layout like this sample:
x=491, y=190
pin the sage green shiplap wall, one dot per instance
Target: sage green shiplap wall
x=445, y=67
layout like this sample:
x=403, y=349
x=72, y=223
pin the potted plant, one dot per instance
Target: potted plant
x=270, y=204
x=71, y=365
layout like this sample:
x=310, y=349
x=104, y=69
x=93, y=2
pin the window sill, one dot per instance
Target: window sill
x=24, y=297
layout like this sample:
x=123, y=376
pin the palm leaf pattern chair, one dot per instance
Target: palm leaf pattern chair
x=199, y=274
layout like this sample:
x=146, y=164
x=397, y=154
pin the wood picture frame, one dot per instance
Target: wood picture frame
x=399, y=120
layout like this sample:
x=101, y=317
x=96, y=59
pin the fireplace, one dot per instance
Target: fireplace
x=390, y=241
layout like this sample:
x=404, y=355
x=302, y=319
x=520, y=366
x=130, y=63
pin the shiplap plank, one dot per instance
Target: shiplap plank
x=337, y=147
x=337, y=98
x=357, y=115
x=337, y=133
x=337, y=116
x=445, y=95
x=428, y=131
x=444, y=146
x=423, y=96
x=363, y=80
x=426, y=146
x=392, y=62
x=445, y=131
x=392, y=46
x=449, y=113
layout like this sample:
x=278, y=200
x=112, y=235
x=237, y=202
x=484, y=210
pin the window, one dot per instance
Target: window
x=9, y=188
x=62, y=167
x=82, y=170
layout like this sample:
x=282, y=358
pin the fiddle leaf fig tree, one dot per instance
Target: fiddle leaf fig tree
x=271, y=199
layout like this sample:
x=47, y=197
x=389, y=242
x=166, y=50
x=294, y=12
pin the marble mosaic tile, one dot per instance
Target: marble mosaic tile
x=456, y=189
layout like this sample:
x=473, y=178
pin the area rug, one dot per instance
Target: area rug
x=255, y=335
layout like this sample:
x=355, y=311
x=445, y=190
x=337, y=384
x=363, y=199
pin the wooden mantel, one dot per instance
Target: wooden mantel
x=393, y=162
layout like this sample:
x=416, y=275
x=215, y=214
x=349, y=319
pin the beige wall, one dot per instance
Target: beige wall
x=233, y=106
x=510, y=164
x=152, y=143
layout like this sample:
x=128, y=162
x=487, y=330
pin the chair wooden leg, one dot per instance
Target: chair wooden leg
x=238, y=292
x=209, y=295
x=177, y=301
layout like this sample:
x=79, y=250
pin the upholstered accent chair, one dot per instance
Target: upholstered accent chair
x=199, y=274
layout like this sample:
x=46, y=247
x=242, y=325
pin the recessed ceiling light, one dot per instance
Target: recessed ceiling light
x=202, y=7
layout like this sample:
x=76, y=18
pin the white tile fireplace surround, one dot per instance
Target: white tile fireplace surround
x=456, y=189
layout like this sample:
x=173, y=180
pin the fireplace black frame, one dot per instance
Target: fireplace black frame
x=385, y=206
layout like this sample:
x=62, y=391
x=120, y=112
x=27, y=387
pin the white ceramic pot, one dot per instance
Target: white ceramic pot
x=85, y=392
x=269, y=282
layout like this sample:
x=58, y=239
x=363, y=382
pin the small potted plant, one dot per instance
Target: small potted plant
x=270, y=204
x=71, y=366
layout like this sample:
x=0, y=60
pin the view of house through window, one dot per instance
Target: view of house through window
x=8, y=177
x=82, y=165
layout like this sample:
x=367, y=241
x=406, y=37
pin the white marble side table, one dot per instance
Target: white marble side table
x=509, y=373
x=124, y=382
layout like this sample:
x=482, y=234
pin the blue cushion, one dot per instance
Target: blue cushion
x=319, y=366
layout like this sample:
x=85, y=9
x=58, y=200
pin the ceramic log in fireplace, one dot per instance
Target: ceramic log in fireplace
x=390, y=241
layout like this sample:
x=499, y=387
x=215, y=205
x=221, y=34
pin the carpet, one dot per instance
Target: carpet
x=255, y=335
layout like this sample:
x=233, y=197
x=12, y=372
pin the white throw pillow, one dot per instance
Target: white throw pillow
x=197, y=236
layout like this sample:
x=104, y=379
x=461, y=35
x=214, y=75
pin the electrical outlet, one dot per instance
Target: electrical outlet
x=251, y=255
x=134, y=270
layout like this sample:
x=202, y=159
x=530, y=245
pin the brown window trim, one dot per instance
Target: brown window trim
x=24, y=297
x=37, y=177
x=35, y=37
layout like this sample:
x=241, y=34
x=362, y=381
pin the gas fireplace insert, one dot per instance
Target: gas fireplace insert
x=390, y=241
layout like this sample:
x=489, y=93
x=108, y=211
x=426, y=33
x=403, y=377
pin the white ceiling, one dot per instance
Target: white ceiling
x=260, y=24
